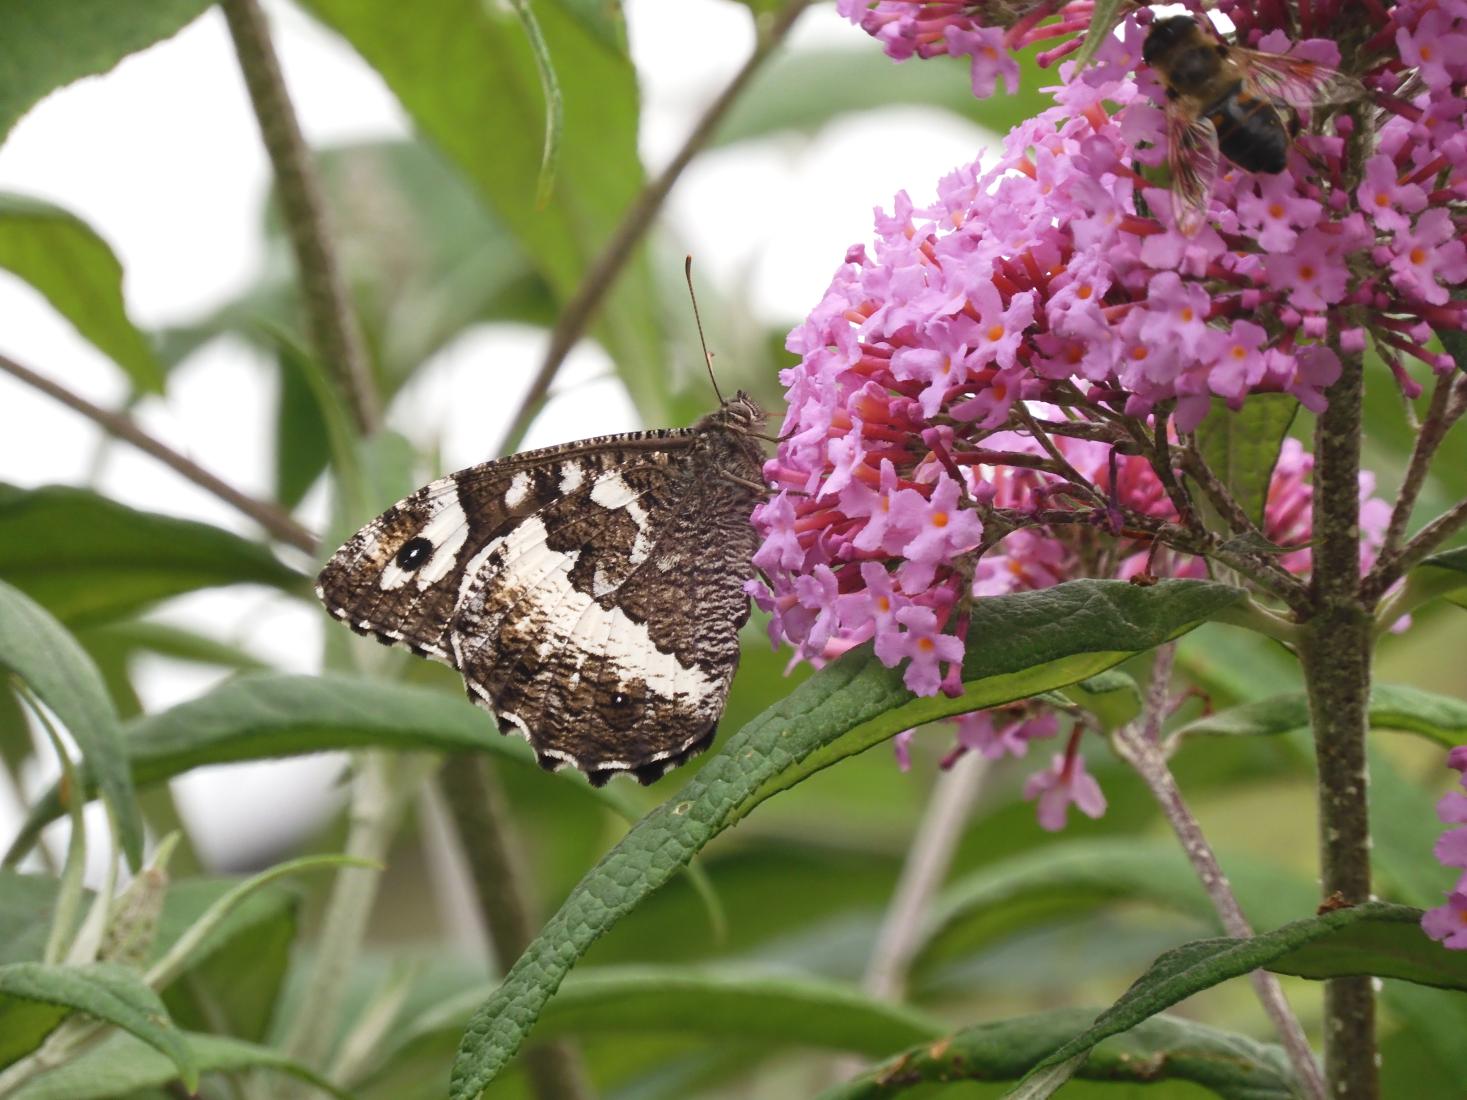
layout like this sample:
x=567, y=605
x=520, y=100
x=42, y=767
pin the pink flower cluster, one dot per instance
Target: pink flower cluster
x=1448, y=922
x=987, y=32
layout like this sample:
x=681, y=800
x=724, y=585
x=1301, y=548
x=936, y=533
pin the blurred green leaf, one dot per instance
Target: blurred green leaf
x=1440, y=718
x=1103, y=21
x=803, y=90
x=260, y=716
x=233, y=976
x=86, y=558
x=1112, y=697
x=1038, y=641
x=38, y=649
x=724, y=1004
x=233, y=979
x=121, y=1066
x=44, y=46
x=1161, y=1049
x=1242, y=448
x=1441, y=576
x=30, y=992
x=1375, y=939
x=465, y=72
x=60, y=255
x=424, y=259
x=1069, y=879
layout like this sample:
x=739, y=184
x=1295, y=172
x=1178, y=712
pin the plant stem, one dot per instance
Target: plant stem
x=329, y=317
x=928, y=859
x=273, y=519
x=1428, y=438
x=379, y=791
x=578, y=313
x=1140, y=746
x=501, y=886
x=1335, y=651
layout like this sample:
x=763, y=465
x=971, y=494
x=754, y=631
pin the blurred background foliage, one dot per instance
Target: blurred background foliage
x=743, y=979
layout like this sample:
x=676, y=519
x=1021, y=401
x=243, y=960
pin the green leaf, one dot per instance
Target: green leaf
x=723, y=1004
x=1112, y=697
x=233, y=979
x=806, y=89
x=107, y=992
x=1242, y=447
x=1070, y=879
x=259, y=716
x=38, y=649
x=467, y=75
x=1441, y=576
x=1103, y=22
x=1035, y=641
x=1163, y=1048
x=44, y=46
x=1374, y=939
x=60, y=255
x=1440, y=718
x=86, y=558
x=121, y=1066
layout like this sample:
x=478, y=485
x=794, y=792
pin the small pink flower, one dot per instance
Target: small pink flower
x=901, y=745
x=1448, y=923
x=996, y=733
x=1384, y=200
x=923, y=646
x=1063, y=782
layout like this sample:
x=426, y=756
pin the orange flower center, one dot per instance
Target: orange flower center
x=1084, y=293
x=939, y=519
x=1418, y=255
x=995, y=332
x=1187, y=313
x=926, y=645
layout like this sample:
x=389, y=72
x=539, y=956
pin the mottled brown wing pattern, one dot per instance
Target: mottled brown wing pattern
x=605, y=626
x=456, y=516
x=590, y=594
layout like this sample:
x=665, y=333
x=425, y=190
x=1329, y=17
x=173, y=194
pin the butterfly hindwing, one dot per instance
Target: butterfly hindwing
x=605, y=626
x=590, y=594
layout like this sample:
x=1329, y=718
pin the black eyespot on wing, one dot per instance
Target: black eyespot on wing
x=622, y=707
x=414, y=553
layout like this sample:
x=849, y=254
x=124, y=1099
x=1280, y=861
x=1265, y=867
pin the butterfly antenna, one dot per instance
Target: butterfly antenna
x=697, y=320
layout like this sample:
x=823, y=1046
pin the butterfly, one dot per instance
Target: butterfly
x=590, y=594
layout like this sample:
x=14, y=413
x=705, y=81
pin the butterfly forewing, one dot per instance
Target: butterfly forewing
x=590, y=594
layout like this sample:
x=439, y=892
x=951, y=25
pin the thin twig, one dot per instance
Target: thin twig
x=272, y=518
x=501, y=887
x=1071, y=474
x=1140, y=746
x=1429, y=538
x=578, y=313
x=903, y=928
x=333, y=327
x=1429, y=436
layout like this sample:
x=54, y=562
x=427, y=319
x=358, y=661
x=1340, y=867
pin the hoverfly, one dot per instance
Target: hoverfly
x=1228, y=99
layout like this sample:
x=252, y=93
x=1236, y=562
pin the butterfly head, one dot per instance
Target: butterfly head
x=741, y=414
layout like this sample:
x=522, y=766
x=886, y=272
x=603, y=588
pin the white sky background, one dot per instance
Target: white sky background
x=162, y=158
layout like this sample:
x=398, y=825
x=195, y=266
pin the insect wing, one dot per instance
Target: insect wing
x=1294, y=81
x=605, y=626
x=1192, y=153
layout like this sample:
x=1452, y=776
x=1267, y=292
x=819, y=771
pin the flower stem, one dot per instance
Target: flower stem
x=333, y=327
x=1335, y=651
x=501, y=887
x=1140, y=746
x=273, y=519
